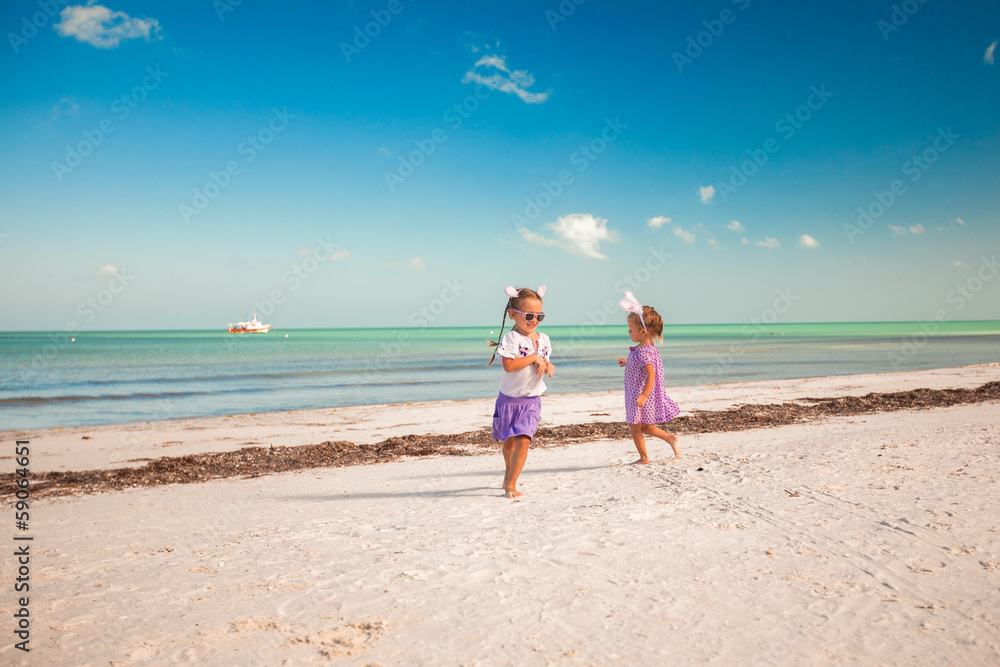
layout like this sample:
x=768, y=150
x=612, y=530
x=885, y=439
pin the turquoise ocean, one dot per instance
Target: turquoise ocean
x=47, y=379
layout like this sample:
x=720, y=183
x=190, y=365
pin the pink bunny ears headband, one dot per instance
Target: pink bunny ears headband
x=513, y=292
x=631, y=304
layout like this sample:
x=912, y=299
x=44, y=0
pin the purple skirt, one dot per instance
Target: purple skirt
x=516, y=416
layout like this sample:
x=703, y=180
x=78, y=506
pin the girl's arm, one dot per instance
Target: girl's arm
x=516, y=364
x=650, y=381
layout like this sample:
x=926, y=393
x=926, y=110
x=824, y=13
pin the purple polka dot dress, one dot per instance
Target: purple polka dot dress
x=658, y=408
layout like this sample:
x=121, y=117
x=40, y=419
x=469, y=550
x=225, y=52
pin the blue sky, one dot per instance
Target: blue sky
x=169, y=164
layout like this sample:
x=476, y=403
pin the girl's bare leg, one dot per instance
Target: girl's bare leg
x=671, y=438
x=507, y=448
x=640, y=442
x=518, y=447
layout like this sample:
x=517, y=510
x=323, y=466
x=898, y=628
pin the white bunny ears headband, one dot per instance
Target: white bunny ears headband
x=631, y=304
x=513, y=292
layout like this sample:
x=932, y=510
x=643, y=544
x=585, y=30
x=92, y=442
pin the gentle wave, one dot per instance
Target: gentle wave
x=31, y=401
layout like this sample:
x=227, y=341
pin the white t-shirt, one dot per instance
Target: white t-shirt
x=524, y=382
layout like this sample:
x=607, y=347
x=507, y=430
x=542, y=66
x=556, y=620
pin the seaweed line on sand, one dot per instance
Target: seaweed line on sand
x=257, y=461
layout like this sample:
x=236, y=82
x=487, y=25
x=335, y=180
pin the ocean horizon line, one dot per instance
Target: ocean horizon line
x=666, y=326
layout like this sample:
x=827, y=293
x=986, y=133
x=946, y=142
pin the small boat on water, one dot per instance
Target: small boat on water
x=253, y=326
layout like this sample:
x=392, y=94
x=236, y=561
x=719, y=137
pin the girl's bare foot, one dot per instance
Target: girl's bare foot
x=672, y=440
x=513, y=493
x=641, y=462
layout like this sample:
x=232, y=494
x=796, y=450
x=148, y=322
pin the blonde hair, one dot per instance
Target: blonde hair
x=654, y=323
x=515, y=302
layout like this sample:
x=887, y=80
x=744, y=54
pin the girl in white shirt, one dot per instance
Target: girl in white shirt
x=524, y=355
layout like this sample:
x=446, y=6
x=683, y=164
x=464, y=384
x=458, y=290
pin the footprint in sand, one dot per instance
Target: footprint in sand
x=144, y=653
x=351, y=639
x=920, y=568
x=348, y=639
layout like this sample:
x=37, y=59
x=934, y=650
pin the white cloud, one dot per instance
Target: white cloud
x=683, y=235
x=735, y=226
x=913, y=229
x=658, y=221
x=110, y=270
x=99, y=26
x=415, y=264
x=498, y=62
x=713, y=242
x=960, y=264
x=961, y=222
x=706, y=193
x=384, y=151
x=769, y=242
x=537, y=239
x=745, y=241
x=499, y=77
x=476, y=41
x=577, y=233
x=806, y=241
x=988, y=56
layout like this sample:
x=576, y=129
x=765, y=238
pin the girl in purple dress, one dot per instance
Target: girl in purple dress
x=646, y=401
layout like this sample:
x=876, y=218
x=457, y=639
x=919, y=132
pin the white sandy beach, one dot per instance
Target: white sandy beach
x=861, y=540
